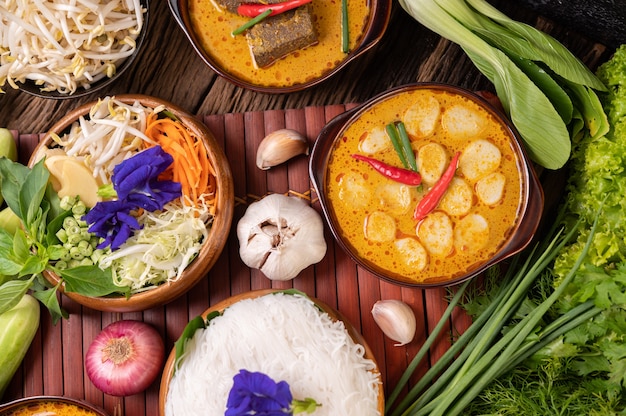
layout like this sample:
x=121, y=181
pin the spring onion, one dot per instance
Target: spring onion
x=495, y=43
x=62, y=45
x=251, y=22
x=492, y=344
x=345, y=28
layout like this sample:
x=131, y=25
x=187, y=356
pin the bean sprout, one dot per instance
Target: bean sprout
x=62, y=45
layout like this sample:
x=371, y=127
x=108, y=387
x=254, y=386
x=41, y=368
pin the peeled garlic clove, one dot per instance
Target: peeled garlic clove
x=396, y=319
x=280, y=146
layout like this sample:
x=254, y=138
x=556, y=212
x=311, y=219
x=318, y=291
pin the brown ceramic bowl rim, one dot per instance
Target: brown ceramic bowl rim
x=380, y=14
x=15, y=404
x=530, y=209
x=220, y=228
x=220, y=306
x=29, y=86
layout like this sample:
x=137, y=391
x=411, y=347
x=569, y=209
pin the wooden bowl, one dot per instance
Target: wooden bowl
x=31, y=88
x=38, y=403
x=375, y=27
x=211, y=248
x=526, y=205
x=219, y=307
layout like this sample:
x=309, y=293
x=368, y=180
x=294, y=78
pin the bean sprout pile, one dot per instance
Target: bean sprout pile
x=62, y=45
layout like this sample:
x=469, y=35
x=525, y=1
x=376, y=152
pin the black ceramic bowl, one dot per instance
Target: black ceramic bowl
x=30, y=87
x=330, y=163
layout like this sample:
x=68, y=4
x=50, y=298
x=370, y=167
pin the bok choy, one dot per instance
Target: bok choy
x=547, y=92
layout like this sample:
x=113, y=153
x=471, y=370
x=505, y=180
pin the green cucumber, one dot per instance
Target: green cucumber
x=18, y=327
x=9, y=220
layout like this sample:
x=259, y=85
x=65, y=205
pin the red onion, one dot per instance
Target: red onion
x=125, y=358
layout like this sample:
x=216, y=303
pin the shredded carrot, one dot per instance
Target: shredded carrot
x=191, y=167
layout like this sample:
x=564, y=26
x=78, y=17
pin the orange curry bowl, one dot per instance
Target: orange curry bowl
x=437, y=205
x=172, y=247
x=288, y=52
x=50, y=405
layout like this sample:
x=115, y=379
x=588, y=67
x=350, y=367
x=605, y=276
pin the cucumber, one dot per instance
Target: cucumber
x=9, y=221
x=18, y=327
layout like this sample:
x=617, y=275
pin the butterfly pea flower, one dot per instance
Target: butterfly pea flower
x=137, y=180
x=112, y=221
x=255, y=393
x=137, y=186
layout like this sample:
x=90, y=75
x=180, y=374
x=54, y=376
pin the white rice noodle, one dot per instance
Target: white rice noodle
x=286, y=337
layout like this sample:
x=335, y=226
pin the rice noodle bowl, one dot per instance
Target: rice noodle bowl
x=286, y=337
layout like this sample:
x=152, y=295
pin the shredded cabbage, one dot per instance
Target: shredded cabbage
x=65, y=44
x=162, y=249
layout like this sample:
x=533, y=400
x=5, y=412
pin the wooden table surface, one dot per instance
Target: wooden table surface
x=168, y=68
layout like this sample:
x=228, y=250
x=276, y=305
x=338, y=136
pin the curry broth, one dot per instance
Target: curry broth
x=214, y=27
x=351, y=210
x=51, y=408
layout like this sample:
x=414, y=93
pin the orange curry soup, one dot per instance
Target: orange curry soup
x=470, y=223
x=51, y=408
x=214, y=29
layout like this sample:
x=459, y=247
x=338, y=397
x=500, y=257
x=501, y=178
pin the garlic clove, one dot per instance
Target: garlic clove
x=280, y=146
x=396, y=319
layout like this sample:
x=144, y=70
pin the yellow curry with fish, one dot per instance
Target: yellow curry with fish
x=214, y=26
x=477, y=212
x=51, y=408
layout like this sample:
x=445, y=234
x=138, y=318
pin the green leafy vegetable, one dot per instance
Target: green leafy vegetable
x=25, y=255
x=512, y=56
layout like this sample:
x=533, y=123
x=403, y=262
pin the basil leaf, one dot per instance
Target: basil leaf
x=9, y=265
x=12, y=175
x=32, y=192
x=20, y=246
x=11, y=292
x=90, y=281
x=190, y=329
x=49, y=298
x=33, y=265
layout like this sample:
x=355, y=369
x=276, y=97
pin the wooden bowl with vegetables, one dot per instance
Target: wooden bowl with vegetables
x=426, y=185
x=142, y=205
x=297, y=45
x=99, y=41
x=328, y=362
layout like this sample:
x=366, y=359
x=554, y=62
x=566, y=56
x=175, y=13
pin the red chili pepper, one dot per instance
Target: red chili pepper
x=255, y=9
x=432, y=198
x=405, y=176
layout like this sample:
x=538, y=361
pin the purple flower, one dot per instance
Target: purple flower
x=255, y=393
x=136, y=180
x=137, y=185
x=112, y=221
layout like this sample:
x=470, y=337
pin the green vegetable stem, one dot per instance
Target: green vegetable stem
x=540, y=83
x=495, y=342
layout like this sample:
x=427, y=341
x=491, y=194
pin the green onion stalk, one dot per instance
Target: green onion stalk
x=494, y=343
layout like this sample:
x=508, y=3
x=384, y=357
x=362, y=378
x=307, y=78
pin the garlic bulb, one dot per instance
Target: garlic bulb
x=396, y=319
x=280, y=146
x=281, y=235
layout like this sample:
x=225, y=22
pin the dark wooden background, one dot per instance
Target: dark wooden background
x=168, y=68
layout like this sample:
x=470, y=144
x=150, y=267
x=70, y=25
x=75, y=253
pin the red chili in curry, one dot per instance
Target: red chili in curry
x=405, y=176
x=434, y=195
x=255, y=9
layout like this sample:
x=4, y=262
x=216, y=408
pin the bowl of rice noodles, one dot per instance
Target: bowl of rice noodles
x=148, y=190
x=283, y=334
